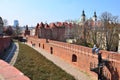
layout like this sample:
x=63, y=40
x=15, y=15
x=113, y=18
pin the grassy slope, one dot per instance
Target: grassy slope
x=37, y=67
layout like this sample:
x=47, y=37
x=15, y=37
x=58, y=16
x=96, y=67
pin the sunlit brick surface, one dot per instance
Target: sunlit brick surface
x=8, y=72
x=84, y=56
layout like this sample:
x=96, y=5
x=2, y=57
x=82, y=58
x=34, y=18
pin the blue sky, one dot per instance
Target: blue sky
x=31, y=12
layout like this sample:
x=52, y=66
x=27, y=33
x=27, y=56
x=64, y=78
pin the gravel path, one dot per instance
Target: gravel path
x=64, y=65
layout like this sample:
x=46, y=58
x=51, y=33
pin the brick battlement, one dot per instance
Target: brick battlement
x=80, y=56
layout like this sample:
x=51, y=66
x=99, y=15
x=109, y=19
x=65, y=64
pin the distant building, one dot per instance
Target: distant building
x=32, y=32
x=27, y=31
x=63, y=30
x=16, y=23
x=54, y=31
x=90, y=22
x=94, y=17
x=83, y=16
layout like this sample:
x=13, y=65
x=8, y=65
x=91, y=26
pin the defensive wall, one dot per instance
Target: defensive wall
x=8, y=72
x=4, y=44
x=80, y=56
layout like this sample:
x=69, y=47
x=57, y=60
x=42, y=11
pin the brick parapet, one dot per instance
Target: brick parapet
x=84, y=56
x=8, y=72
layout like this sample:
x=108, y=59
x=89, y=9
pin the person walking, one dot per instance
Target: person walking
x=94, y=48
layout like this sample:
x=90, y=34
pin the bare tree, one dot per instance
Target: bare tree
x=105, y=36
x=5, y=21
x=108, y=17
x=81, y=33
x=110, y=30
x=9, y=31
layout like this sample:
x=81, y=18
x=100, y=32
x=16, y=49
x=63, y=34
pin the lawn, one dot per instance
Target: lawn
x=37, y=67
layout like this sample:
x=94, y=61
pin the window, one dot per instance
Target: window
x=74, y=58
x=43, y=46
x=51, y=50
x=39, y=44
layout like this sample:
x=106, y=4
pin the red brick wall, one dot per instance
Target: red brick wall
x=4, y=43
x=54, y=33
x=27, y=32
x=84, y=56
x=8, y=72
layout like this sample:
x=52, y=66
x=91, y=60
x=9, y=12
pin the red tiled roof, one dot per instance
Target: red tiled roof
x=37, y=25
x=70, y=25
x=42, y=24
x=8, y=72
x=65, y=24
x=47, y=26
x=58, y=24
x=52, y=25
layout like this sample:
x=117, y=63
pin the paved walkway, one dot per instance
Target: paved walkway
x=64, y=65
x=14, y=58
x=11, y=54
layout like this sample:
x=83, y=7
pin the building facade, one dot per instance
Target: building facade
x=87, y=30
x=53, y=31
x=65, y=30
x=16, y=23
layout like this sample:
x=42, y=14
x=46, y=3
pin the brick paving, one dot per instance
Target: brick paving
x=64, y=65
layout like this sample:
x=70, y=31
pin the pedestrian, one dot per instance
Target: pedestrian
x=94, y=48
x=97, y=50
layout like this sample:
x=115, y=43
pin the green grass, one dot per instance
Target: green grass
x=37, y=67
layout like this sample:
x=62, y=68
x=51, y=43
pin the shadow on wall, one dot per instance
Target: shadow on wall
x=114, y=72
